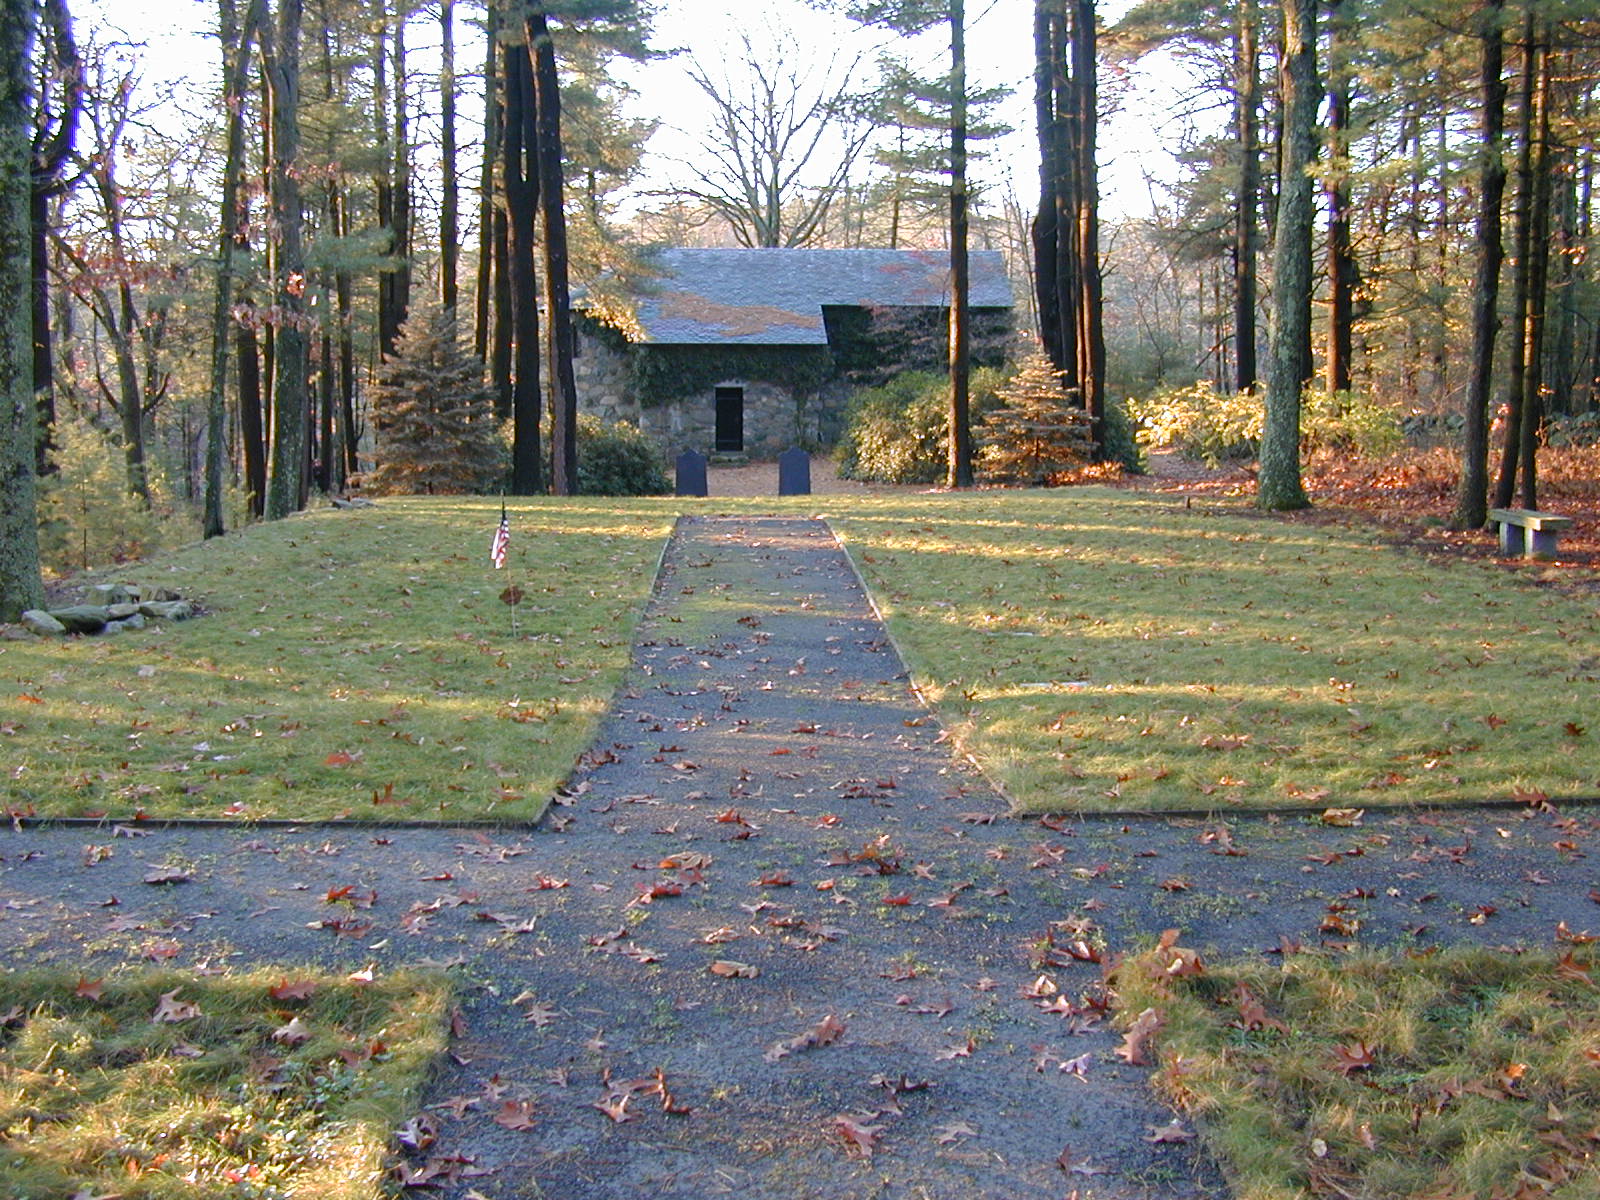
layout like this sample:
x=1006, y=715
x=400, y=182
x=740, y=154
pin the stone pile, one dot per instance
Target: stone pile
x=109, y=608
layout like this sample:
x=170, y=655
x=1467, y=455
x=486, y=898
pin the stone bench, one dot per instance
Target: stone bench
x=1526, y=533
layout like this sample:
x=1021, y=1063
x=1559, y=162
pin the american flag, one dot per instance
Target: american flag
x=501, y=542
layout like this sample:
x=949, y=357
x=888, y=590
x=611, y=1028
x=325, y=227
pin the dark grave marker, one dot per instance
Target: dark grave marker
x=691, y=474
x=794, y=473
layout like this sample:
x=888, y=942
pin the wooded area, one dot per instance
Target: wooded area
x=1400, y=207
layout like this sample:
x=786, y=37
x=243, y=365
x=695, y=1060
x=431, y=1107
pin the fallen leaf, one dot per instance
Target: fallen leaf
x=295, y=1033
x=857, y=1134
x=167, y=874
x=729, y=969
x=1343, y=817
x=824, y=1033
x=515, y=1114
x=88, y=989
x=1353, y=1056
x=1132, y=1049
x=1173, y=1131
x=953, y=1131
x=173, y=1010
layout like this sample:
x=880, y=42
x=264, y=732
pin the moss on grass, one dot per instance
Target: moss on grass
x=1466, y=1073
x=164, y=1085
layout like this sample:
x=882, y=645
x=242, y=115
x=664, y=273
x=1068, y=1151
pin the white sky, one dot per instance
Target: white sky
x=180, y=59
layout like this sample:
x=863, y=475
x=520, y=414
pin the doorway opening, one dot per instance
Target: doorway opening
x=730, y=420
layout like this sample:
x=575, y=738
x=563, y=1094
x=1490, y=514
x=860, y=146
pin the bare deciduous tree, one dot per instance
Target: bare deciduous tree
x=783, y=139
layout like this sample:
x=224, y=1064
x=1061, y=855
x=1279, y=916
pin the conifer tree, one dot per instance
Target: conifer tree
x=1042, y=428
x=434, y=419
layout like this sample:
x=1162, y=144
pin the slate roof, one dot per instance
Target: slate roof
x=769, y=297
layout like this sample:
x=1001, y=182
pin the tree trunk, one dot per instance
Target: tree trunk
x=1045, y=229
x=235, y=80
x=521, y=182
x=1341, y=264
x=400, y=277
x=1086, y=223
x=1538, y=279
x=959, y=473
x=558, y=303
x=1247, y=98
x=383, y=176
x=1280, y=485
x=1472, y=509
x=52, y=146
x=281, y=57
x=502, y=347
x=21, y=586
x=449, y=200
x=1522, y=236
x=488, y=210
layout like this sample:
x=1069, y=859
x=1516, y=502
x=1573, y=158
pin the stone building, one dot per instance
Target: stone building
x=750, y=351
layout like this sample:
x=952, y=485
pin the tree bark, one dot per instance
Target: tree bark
x=1538, y=280
x=449, y=198
x=1522, y=237
x=1247, y=100
x=558, y=302
x=1341, y=263
x=959, y=474
x=521, y=181
x=1045, y=228
x=236, y=37
x=52, y=146
x=488, y=210
x=21, y=585
x=1279, y=482
x=1089, y=326
x=400, y=277
x=281, y=57
x=1472, y=509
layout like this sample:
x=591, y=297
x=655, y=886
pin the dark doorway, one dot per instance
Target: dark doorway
x=730, y=420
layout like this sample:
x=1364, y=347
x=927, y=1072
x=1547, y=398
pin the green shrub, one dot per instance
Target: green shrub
x=1350, y=422
x=1199, y=422
x=618, y=460
x=1122, y=443
x=87, y=518
x=897, y=433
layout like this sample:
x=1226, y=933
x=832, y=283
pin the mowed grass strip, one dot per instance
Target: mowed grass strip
x=350, y=664
x=1466, y=1073
x=1106, y=650
x=166, y=1085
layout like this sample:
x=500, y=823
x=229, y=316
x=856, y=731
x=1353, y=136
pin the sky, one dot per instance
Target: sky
x=179, y=66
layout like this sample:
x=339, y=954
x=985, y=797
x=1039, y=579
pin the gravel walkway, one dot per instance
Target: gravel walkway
x=774, y=943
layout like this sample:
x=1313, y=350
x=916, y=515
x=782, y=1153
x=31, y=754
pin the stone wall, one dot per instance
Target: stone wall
x=868, y=345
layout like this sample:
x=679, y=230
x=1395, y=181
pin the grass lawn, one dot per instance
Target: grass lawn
x=160, y=1085
x=1462, y=1074
x=350, y=664
x=1094, y=649
x=1109, y=650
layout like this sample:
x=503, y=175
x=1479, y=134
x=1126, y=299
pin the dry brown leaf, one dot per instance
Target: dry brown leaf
x=1132, y=1050
x=729, y=969
x=858, y=1135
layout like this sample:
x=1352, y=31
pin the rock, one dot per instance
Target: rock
x=134, y=620
x=165, y=594
x=121, y=612
x=113, y=593
x=110, y=627
x=39, y=621
x=82, y=618
x=167, y=610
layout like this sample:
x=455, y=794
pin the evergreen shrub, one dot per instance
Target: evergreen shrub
x=87, y=517
x=1039, y=431
x=618, y=460
x=434, y=419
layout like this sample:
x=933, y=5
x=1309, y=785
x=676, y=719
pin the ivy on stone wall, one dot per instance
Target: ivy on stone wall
x=662, y=374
